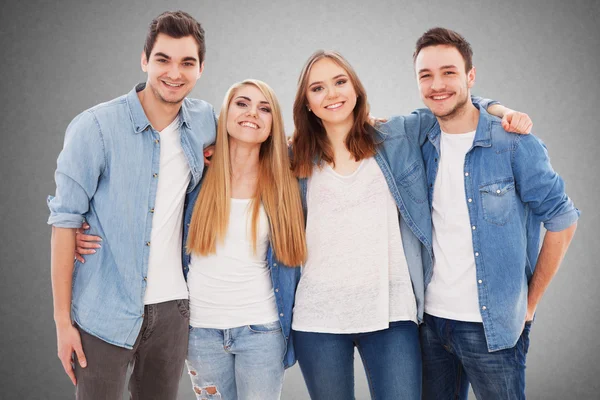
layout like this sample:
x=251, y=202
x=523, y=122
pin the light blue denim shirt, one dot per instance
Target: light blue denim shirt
x=107, y=175
x=284, y=279
x=512, y=190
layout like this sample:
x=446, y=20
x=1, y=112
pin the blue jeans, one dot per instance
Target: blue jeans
x=238, y=363
x=391, y=357
x=455, y=354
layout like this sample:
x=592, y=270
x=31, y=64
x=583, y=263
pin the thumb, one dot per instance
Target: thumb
x=505, y=123
x=80, y=355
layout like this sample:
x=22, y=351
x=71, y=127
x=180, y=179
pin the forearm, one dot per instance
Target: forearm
x=554, y=248
x=498, y=110
x=63, y=249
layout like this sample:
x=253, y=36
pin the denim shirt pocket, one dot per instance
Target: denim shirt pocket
x=412, y=180
x=498, y=200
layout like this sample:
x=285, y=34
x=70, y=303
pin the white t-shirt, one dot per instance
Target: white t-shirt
x=356, y=277
x=452, y=292
x=165, y=280
x=233, y=287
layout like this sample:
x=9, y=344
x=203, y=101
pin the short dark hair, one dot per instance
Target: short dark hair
x=176, y=24
x=442, y=36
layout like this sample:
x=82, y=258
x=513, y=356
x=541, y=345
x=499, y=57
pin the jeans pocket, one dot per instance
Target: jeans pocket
x=183, y=305
x=271, y=327
x=498, y=200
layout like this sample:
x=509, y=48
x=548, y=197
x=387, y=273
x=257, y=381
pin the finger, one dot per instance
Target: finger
x=505, y=123
x=87, y=245
x=82, y=251
x=514, y=123
x=88, y=238
x=68, y=367
x=79, y=258
x=85, y=226
x=80, y=354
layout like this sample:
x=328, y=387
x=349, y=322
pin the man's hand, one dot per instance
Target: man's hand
x=69, y=342
x=517, y=122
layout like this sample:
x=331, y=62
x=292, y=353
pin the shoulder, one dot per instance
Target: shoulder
x=198, y=108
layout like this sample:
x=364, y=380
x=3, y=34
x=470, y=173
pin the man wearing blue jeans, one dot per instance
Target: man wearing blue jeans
x=489, y=192
x=125, y=168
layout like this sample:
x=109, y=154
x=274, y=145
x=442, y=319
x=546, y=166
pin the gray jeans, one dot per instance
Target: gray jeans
x=157, y=358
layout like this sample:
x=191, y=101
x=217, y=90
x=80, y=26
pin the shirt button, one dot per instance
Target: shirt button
x=476, y=254
x=466, y=174
x=147, y=243
x=143, y=315
x=470, y=200
x=277, y=290
x=498, y=191
x=473, y=227
x=152, y=210
x=156, y=141
x=480, y=281
x=155, y=175
x=274, y=264
x=484, y=308
x=281, y=314
x=145, y=278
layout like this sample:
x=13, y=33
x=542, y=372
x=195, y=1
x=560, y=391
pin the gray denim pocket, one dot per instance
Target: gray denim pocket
x=271, y=327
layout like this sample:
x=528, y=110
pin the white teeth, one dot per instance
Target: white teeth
x=334, y=106
x=441, y=97
x=249, y=124
x=173, y=84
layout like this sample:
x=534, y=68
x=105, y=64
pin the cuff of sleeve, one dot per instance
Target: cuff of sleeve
x=64, y=220
x=563, y=221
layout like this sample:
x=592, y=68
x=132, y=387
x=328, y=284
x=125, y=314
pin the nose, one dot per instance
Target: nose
x=437, y=83
x=332, y=92
x=174, y=72
x=252, y=112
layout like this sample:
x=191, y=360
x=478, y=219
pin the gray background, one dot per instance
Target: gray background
x=61, y=57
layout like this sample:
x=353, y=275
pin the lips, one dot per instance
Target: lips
x=441, y=96
x=334, y=106
x=248, y=124
x=172, y=85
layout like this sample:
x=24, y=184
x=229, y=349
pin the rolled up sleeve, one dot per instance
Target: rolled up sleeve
x=540, y=186
x=79, y=167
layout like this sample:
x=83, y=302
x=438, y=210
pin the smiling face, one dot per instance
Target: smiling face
x=443, y=83
x=249, y=116
x=330, y=95
x=173, y=68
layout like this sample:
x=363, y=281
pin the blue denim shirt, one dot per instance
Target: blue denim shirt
x=284, y=279
x=513, y=190
x=107, y=175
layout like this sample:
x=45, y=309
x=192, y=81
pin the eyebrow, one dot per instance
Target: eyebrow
x=449, y=66
x=334, y=78
x=163, y=55
x=249, y=99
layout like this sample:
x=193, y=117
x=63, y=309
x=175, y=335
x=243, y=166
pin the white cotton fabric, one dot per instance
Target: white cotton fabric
x=165, y=280
x=356, y=277
x=233, y=287
x=452, y=292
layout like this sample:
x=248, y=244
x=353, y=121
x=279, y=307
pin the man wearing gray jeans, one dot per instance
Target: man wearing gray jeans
x=125, y=168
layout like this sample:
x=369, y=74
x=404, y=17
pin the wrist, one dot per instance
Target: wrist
x=62, y=321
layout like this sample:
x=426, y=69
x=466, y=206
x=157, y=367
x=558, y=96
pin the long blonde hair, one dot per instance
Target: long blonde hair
x=276, y=189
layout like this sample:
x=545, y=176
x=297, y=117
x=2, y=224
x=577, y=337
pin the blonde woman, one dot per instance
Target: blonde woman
x=244, y=229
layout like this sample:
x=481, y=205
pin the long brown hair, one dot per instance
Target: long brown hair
x=310, y=138
x=277, y=190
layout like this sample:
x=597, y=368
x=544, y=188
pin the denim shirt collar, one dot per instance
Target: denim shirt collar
x=483, y=134
x=138, y=116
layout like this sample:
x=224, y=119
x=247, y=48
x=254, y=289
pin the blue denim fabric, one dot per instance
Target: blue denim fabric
x=284, y=279
x=513, y=190
x=106, y=174
x=456, y=353
x=391, y=358
x=399, y=156
x=241, y=363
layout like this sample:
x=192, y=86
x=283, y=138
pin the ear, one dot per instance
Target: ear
x=144, y=62
x=471, y=78
x=200, y=70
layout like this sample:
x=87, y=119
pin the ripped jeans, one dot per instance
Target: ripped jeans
x=240, y=363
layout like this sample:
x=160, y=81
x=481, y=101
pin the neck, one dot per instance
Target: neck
x=244, y=160
x=337, y=132
x=159, y=113
x=462, y=120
